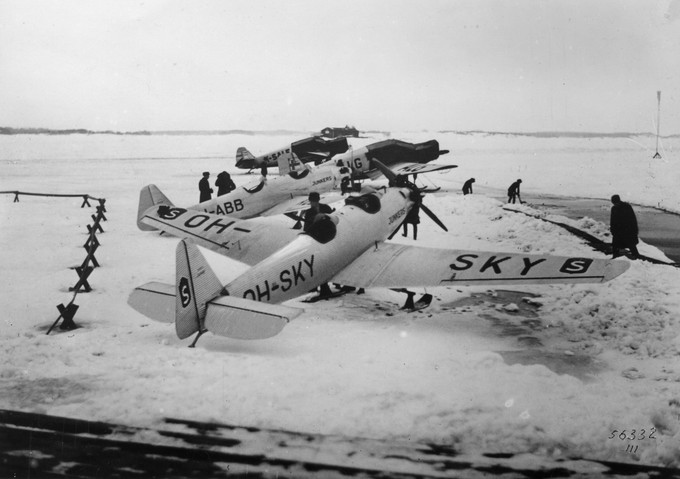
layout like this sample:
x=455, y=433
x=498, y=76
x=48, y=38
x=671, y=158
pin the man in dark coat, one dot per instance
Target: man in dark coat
x=316, y=208
x=467, y=186
x=413, y=218
x=204, y=188
x=624, y=228
x=513, y=192
x=224, y=183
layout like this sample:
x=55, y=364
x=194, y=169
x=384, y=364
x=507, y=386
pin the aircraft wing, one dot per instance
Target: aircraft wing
x=248, y=241
x=299, y=203
x=393, y=265
x=410, y=168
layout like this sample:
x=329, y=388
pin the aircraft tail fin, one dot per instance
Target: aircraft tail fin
x=202, y=304
x=245, y=159
x=288, y=164
x=150, y=196
x=196, y=285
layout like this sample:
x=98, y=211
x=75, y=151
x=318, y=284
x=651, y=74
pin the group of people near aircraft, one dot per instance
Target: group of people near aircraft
x=347, y=245
x=224, y=185
x=622, y=224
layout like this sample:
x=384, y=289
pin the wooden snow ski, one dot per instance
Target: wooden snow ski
x=36, y=445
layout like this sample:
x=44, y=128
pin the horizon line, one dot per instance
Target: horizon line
x=42, y=130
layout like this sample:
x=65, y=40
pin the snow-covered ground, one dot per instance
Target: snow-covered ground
x=560, y=370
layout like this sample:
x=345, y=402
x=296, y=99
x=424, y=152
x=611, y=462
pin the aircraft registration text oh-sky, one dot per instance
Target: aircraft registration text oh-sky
x=349, y=246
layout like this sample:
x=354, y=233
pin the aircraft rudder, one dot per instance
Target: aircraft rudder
x=196, y=285
x=149, y=196
x=244, y=158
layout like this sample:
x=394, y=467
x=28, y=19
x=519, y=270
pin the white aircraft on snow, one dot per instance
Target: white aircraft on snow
x=313, y=149
x=402, y=157
x=276, y=195
x=347, y=247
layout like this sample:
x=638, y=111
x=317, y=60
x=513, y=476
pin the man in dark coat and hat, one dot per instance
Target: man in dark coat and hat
x=413, y=218
x=204, y=188
x=224, y=183
x=624, y=228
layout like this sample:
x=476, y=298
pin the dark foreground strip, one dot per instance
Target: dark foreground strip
x=37, y=446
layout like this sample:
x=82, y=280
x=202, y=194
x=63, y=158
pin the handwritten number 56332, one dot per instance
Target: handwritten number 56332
x=633, y=434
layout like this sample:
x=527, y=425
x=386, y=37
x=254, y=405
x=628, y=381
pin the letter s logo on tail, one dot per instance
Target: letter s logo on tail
x=184, y=292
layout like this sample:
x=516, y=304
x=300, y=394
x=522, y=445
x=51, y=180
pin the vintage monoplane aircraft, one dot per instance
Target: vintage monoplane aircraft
x=402, y=157
x=264, y=197
x=313, y=149
x=347, y=247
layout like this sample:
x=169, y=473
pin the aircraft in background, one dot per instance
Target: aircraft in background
x=265, y=197
x=348, y=247
x=313, y=149
x=402, y=157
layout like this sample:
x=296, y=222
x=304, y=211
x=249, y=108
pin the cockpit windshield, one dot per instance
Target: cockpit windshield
x=369, y=202
x=255, y=189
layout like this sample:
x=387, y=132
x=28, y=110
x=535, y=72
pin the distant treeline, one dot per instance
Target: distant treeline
x=81, y=131
x=536, y=134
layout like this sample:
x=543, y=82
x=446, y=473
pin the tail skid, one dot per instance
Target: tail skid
x=150, y=196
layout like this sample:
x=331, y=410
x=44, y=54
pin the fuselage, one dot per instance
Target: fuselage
x=257, y=197
x=313, y=149
x=389, y=152
x=306, y=263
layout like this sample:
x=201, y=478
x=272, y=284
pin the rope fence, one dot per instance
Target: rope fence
x=85, y=269
x=85, y=198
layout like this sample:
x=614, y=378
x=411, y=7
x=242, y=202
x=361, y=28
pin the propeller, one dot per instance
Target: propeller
x=416, y=193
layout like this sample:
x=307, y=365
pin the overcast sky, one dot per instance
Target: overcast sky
x=379, y=65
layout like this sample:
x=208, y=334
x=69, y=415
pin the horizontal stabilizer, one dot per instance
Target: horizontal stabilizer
x=240, y=318
x=248, y=241
x=154, y=300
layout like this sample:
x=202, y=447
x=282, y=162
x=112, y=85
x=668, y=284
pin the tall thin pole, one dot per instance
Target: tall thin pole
x=658, y=123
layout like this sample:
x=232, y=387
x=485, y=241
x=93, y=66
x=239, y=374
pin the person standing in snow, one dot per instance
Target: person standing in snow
x=513, y=192
x=224, y=183
x=204, y=187
x=467, y=186
x=413, y=218
x=624, y=228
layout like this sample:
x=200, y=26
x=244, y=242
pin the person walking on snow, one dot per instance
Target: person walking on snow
x=467, y=186
x=513, y=192
x=413, y=217
x=624, y=228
